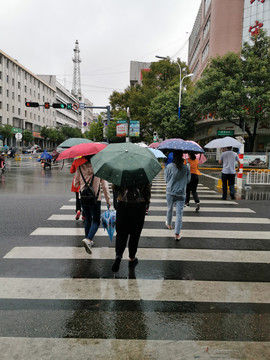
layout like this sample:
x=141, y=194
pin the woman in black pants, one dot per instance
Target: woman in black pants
x=130, y=214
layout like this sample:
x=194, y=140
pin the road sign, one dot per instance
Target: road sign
x=18, y=136
x=75, y=106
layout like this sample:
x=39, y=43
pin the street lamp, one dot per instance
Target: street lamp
x=180, y=81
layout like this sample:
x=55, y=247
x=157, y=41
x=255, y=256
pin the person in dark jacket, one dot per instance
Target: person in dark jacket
x=130, y=214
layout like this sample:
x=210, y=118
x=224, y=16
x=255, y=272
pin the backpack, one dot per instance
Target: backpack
x=132, y=195
x=88, y=196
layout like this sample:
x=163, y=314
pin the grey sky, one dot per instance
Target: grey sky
x=41, y=35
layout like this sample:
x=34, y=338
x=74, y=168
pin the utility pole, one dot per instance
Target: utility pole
x=76, y=85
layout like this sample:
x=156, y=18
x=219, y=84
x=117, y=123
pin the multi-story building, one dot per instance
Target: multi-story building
x=62, y=95
x=217, y=30
x=221, y=27
x=18, y=85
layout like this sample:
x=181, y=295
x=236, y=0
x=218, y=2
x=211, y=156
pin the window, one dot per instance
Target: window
x=0, y=119
x=205, y=51
x=207, y=3
x=0, y=104
x=7, y=63
x=30, y=91
x=13, y=109
x=0, y=89
x=7, y=93
x=7, y=107
x=206, y=28
x=0, y=74
x=7, y=78
x=13, y=81
x=25, y=88
x=19, y=85
x=13, y=95
x=25, y=113
x=19, y=98
x=19, y=111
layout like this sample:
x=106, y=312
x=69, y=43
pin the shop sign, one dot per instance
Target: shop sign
x=225, y=133
x=37, y=135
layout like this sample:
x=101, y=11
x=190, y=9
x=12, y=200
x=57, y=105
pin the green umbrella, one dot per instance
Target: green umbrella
x=125, y=164
x=73, y=141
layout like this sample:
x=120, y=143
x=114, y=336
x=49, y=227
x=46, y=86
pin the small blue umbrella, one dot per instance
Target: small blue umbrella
x=108, y=219
x=179, y=144
x=157, y=153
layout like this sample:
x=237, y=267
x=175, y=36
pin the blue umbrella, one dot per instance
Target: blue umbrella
x=108, y=219
x=157, y=153
x=179, y=144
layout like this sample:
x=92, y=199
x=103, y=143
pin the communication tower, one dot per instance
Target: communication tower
x=76, y=85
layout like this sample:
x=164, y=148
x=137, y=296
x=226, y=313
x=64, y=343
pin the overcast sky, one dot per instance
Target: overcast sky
x=41, y=35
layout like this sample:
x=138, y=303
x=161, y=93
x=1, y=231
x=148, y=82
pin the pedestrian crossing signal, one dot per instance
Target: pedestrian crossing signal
x=47, y=105
x=58, y=106
x=31, y=104
x=69, y=106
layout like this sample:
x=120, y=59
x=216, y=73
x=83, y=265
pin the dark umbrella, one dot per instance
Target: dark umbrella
x=126, y=164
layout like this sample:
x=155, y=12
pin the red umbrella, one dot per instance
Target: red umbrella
x=81, y=150
x=154, y=145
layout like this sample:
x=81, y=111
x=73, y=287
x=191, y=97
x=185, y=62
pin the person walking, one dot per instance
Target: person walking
x=193, y=184
x=73, y=168
x=228, y=159
x=177, y=176
x=130, y=214
x=84, y=176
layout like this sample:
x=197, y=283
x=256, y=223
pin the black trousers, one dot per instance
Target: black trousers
x=192, y=187
x=227, y=180
x=129, y=224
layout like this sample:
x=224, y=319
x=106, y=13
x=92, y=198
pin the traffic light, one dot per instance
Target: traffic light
x=69, y=106
x=58, y=106
x=47, y=105
x=31, y=104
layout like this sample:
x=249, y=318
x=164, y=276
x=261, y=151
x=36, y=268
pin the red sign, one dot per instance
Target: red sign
x=261, y=1
x=255, y=30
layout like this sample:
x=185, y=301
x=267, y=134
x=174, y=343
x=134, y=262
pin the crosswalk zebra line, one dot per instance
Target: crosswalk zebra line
x=196, y=219
x=213, y=234
x=134, y=289
x=60, y=252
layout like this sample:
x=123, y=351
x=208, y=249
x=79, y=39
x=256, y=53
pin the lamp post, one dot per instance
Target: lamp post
x=180, y=81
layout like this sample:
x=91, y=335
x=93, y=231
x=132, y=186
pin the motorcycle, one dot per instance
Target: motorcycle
x=12, y=152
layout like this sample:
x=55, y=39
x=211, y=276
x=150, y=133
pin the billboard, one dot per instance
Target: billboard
x=121, y=128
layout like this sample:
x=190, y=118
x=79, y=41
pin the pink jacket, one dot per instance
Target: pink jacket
x=87, y=172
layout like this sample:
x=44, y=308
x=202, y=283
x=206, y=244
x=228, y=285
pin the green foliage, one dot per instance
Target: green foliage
x=6, y=131
x=53, y=135
x=28, y=136
x=155, y=102
x=95, y=132
x=44, y=132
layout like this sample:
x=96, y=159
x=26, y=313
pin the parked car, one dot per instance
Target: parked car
x=32, y=149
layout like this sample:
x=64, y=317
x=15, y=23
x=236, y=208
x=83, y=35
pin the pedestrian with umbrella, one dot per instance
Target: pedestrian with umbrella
x=130, y=169
x=228, y=159
x=177, y=176
x=90, y=184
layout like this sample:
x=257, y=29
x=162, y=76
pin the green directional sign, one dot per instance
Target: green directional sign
x=225, y=132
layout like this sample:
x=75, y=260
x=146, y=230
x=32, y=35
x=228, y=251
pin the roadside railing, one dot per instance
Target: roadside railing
x=259, y=177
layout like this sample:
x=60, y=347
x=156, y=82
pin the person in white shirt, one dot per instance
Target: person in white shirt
x=228, y=159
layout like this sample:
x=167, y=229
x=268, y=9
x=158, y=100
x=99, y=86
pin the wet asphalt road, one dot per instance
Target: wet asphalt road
x=29, y=195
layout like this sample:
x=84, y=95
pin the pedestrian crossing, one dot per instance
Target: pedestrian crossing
x=205, y=297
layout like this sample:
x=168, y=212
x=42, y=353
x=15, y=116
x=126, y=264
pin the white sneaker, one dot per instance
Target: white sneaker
x=87, y=245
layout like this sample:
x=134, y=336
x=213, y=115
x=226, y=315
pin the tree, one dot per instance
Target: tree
x=237, y=89
x=28, y=136
x=163, y=76
x=6, y=131
x=95, y=132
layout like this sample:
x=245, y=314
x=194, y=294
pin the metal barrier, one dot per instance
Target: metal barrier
x=259, y=177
